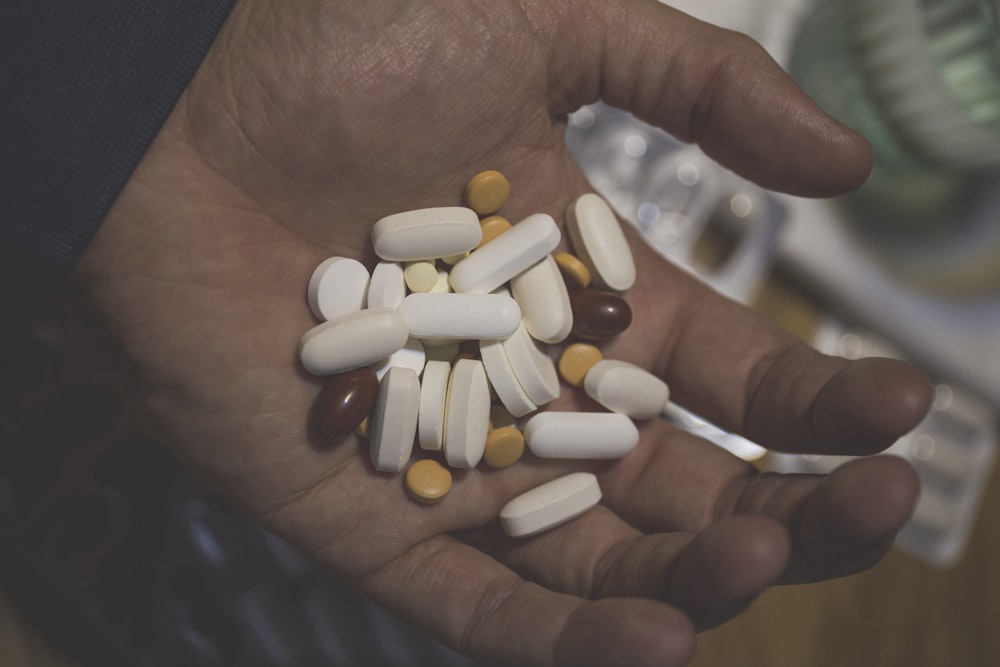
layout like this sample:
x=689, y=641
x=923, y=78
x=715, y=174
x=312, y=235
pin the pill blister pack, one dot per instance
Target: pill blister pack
x=120, y=557
x=676, y=196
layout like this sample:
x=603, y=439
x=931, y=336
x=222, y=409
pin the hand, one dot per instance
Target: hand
x=311, y=119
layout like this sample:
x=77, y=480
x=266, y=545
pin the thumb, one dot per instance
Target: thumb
x=703, y=84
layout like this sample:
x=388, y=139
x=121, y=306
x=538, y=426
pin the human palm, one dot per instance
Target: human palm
x=310, y=120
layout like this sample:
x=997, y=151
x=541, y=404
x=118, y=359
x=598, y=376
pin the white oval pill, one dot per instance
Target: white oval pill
x=467, y=415
x=580, y=435
x=502, y=378
x=352, y=341
x=426, y=233
x=507, y=255
x=433, y=397
x=550, y=505
x=540, y=292
x=411, y=356
x=337, y=287
x=623, y=387
x=600, y=242
x=387, y=286
x=451, y=316
x=534, y=370
x=394, y=419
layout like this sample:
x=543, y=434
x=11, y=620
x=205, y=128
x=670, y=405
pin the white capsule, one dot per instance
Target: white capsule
x=433, y=398
x=467, y=415
x=411, y=356
x=550, y=505
x=337, y=287
x=623, y=387
x=387, y=286
x=352, y=341
x=600, y=242
x=541, y=293
x=580, y=435
x=394, y=420
x=534, y=370
x=426, y=233
x=507, y=255
x=502, y=378
x=451, y=316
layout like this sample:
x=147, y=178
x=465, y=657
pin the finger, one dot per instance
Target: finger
x=840, y=524
x=710, y=576
x=482, y=609
x=708, y=85
x=741, y=372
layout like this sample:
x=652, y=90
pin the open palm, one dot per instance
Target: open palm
x=311, y=119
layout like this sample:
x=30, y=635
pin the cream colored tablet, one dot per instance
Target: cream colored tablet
x=580, y=435
x=411, y=356
x=433, y=395
x=394, y=420
x=441, y=284
x=507, y=255
x=533, y=368
x=623, y=387
x=550, y=505
x=352, y=341
x=540, y=292
x=387, y=286
x=460, y=316
x=600, y=242
x=503, y=380
x=467, y=414
x=420, y=276
x=426, y=233
x=337, y=287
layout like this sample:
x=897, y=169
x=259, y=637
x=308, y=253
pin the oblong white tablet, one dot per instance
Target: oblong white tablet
x=394, y=419
x=541, y=293
x=623, y=387
x=433, y=396
x=337, y=287
x=534, y=370
x=580, y=435
x=520, y=247
x=502, y=378
x=467, y=414
x=451, y=316
x=426, y=233
x=550, y=505
x=411, y=356
x=352, y=341
x=600, y=242
x=387, y=286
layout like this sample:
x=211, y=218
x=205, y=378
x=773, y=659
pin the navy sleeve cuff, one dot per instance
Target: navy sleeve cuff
x=84, y=88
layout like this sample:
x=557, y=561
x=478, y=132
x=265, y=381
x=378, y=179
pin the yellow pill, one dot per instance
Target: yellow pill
x=363, y=430
x=486, y=192
x=504, y=447
x=420, y=276
x=576, y=360
x=428, y=481
x=493, y=227
x=575, y=272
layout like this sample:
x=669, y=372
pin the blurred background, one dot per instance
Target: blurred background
x=110, y=554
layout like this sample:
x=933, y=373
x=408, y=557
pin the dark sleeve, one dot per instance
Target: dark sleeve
x=84, y=87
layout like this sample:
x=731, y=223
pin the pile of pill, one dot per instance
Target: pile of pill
x=446, y=344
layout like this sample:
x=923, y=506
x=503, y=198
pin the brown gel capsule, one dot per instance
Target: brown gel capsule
x=598, y=315
x=344, y=402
